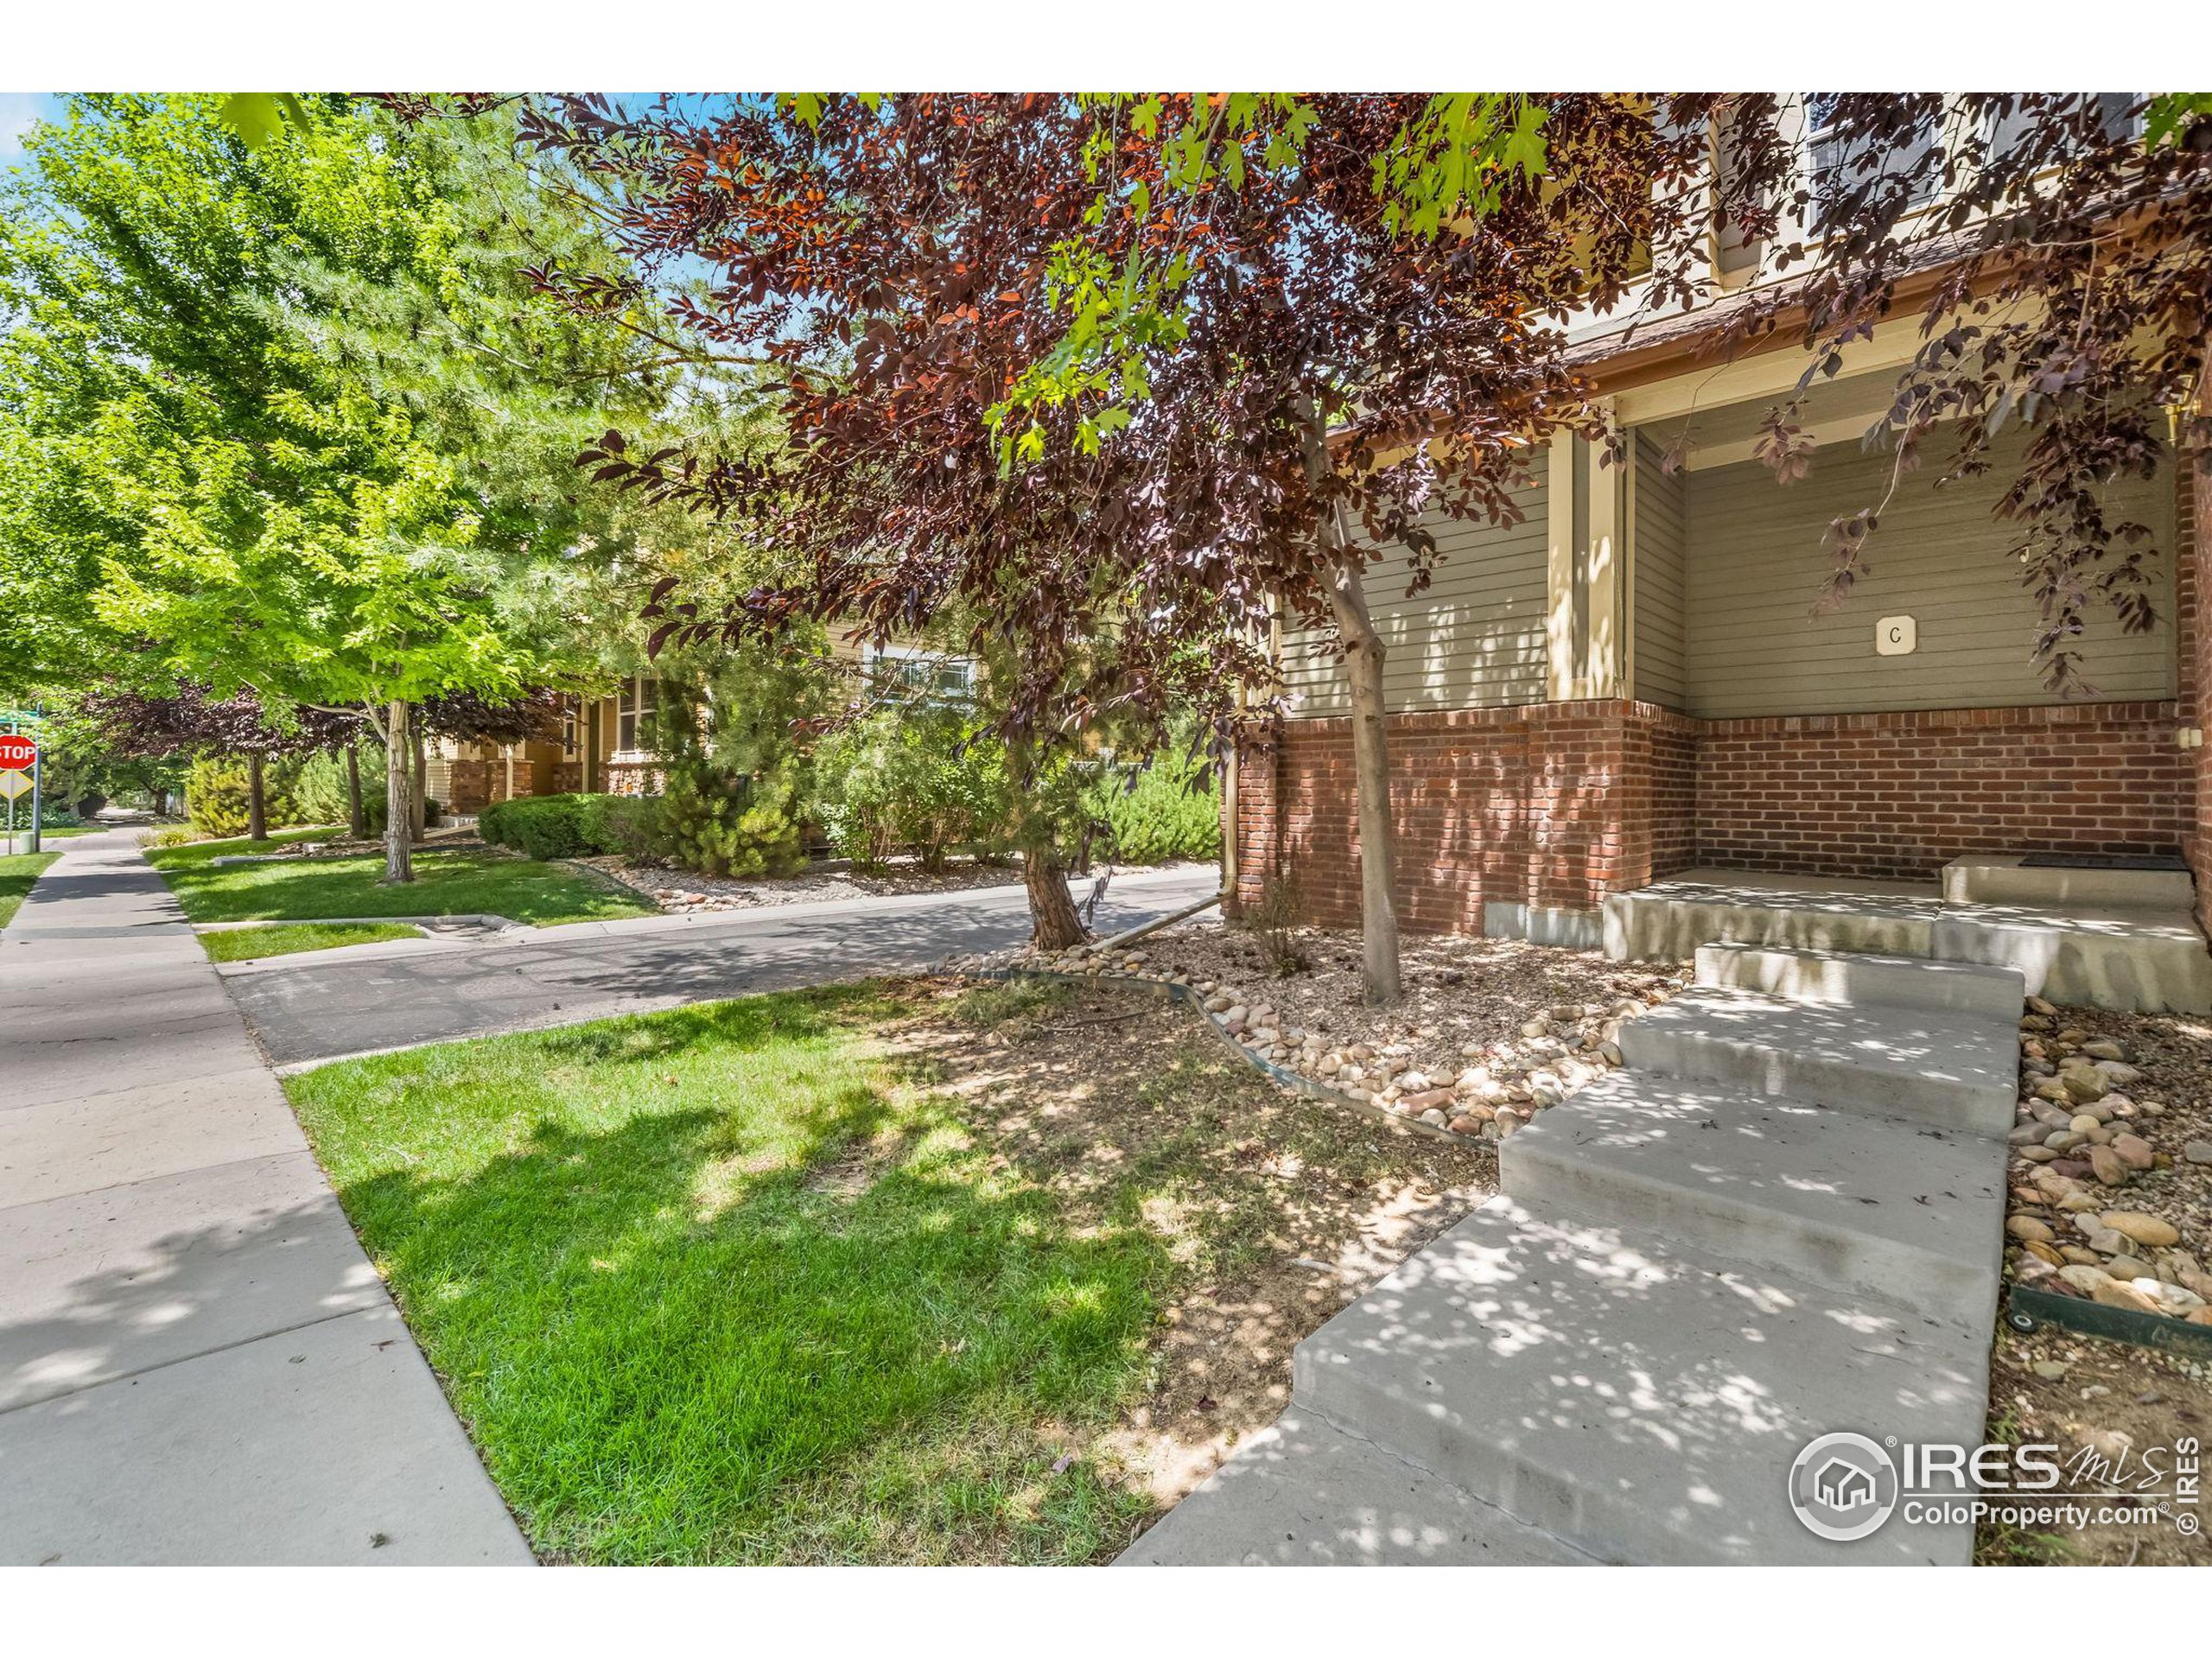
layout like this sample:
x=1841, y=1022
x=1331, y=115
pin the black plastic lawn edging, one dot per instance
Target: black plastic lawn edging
x=1296, y=1082
x=2027, y=1308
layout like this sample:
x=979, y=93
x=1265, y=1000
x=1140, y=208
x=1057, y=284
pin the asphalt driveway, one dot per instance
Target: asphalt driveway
x=372, y=997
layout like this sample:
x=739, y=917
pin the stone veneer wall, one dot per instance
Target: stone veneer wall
x=476, y=783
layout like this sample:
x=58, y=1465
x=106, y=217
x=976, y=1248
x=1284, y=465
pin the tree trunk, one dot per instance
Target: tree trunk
x=1364, y=654
x=1053, y=925
x=399, y=806
x=256, y=810
x=419, y=820
x=357, y=810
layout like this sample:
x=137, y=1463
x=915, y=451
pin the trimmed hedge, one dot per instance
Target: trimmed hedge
x=572, y=826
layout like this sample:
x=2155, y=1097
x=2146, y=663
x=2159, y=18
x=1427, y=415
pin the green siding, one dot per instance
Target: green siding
x=1756, y=562
x=1474, y=640
x=1656, y=572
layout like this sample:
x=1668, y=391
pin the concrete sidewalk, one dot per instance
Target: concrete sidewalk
x=197, y=1362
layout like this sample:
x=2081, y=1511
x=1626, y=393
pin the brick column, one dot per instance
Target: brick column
x=1257, y=829
x=2192, y=581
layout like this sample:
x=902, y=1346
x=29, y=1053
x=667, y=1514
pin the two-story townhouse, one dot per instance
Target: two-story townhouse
x=1632, y=682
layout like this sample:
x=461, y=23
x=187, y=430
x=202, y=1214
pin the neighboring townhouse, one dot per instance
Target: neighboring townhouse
x=605, y=744
x=1630, y=683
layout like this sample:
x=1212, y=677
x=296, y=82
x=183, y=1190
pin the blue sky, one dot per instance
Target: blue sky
x=17, y=111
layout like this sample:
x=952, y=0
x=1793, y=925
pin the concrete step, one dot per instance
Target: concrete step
x=1640, y=1400
x=1303, y=1492
x=2140, y=960
x=1847, y=1200
x=1989, y=878
x=1954, y=1071
x=1863, y=981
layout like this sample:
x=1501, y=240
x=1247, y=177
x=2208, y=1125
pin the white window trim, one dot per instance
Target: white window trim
x=638, y=700
x=872, y=654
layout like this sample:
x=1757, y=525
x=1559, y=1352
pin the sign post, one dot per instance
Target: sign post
x=19, y=774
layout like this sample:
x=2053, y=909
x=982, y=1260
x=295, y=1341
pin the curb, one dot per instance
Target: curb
x=459, y=919
x=1296, y=1082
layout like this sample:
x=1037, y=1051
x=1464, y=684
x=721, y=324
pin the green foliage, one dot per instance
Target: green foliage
x=575, y=826
x=279, y=409
x=722, y=824
x=447, y=884
x=543, y=826
x=913, y=782
x=18, y=872
x=1169, y=809
x=321, y=788
x=1453, y=161
x=219, y=786
x=255, y=943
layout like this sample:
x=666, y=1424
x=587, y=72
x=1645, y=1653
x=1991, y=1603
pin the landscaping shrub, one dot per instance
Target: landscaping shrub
x=632, y=826
x=541, y=826
x=1169, y=810
x=724, y=825
x=218, y=789
x=572, y=826
x=1274, y=920
x=174, y=834
x=320, y=790
x=910, y=782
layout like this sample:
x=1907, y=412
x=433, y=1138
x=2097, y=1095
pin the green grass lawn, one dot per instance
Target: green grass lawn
x=764, y=1281
x=197, y=853
x=445, y=884
x=252, y=943
x=17, y=872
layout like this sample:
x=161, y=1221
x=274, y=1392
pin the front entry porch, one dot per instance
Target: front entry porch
x=2128, y=941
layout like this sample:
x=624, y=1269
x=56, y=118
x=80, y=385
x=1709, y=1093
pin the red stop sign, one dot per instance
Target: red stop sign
x=16, y=753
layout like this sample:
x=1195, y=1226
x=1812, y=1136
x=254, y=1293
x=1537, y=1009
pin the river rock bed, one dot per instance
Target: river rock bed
x=1489, y=1032
x=2111, y=1168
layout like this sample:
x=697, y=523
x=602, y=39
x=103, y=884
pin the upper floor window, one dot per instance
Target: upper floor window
x=1844, y=164
x=931, y=676
x=633, y=712
x=2115, y=115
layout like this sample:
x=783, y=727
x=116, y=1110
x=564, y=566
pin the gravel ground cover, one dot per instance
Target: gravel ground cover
x=1489, y=1032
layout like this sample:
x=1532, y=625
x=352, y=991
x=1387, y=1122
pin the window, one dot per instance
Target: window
x=2115, y=112
x=570, y=711
x=1842, y=168
x=926, y=676
x=634, y=713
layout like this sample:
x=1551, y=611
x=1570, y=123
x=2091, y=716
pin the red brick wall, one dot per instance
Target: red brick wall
x=2195, y=520
x=1551, y=805
x=1557, y=805
x=1901, y=795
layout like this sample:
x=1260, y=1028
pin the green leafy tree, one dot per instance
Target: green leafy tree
x=285, y=418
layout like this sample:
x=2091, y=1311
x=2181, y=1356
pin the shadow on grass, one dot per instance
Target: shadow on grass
x=766, y=1309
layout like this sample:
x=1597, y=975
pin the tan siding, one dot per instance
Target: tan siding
x=1474, y=640
x=1756, y=562
x=1661, y=676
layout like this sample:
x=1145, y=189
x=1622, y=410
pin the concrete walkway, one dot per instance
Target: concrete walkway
x=308, y=1009
x=1780, y=1220
x=197, y=1362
